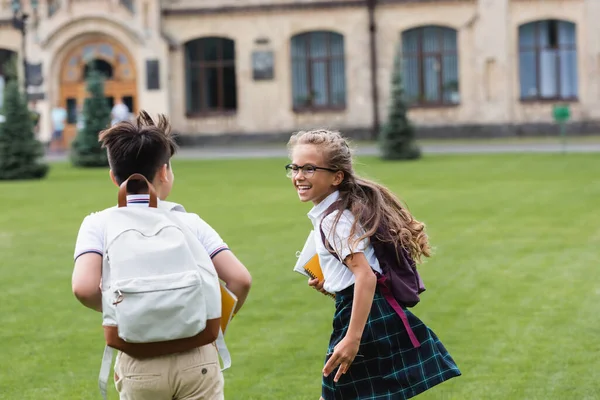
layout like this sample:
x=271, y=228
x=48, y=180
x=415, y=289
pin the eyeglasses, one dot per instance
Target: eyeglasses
x=308, y=170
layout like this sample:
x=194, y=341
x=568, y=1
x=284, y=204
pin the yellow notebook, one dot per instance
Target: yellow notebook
x=313, y=268
x=308, y=261
x=228, y=303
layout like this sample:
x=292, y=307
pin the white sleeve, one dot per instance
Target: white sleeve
x=90, y=238
x=341, y=241
x=210, y=239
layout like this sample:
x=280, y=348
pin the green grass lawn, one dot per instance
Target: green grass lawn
x=513, y=288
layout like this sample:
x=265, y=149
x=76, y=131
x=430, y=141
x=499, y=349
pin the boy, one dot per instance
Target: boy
x=146, y=148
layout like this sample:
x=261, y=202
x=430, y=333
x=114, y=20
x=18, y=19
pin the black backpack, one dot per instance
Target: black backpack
x=397, y=266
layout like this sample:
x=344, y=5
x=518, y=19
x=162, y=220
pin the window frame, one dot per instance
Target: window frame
x=538, y=48
x=308, y=61
x=199, y=67
x=420, y=55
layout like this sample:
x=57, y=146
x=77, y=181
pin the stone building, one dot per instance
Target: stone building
x=255, y=68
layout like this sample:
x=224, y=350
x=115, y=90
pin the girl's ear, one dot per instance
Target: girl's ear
x=338, y=178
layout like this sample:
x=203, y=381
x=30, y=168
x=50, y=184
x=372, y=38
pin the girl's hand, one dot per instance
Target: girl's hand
x=343, y=356
x=318, y=285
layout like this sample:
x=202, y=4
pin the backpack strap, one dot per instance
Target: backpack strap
x=383, y=287
x=153, y=202
x=389, y=297
x=328, y=246
x=223, y=351
x=105, y=371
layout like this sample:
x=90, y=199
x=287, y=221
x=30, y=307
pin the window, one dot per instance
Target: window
x=128, y=101
x=318, y=71
x=102, y=66
x=110, y=101
x=128, y=4
x=152, y=75
x=53, y=7
x=548, y=60
x=210, y=75
x=430, y=66
x=6, y=56
x=72, y=110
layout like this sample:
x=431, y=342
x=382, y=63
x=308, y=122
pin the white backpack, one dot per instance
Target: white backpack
x=158, y=281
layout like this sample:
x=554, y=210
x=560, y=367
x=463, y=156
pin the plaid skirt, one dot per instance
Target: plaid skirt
x=389, y=367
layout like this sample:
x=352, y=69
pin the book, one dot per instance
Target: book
x=228, y=303
x=308, y=261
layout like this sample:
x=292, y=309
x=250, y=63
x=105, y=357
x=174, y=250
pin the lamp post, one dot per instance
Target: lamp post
x=19, y=21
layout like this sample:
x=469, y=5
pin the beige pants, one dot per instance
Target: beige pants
x=193, y=375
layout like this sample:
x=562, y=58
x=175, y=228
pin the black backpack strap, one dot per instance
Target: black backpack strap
x=328, y=246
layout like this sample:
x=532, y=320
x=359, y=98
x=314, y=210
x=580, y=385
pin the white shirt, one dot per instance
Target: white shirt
x=58, y=116
x=120, y=112
x=337, y=276
x=91, y=233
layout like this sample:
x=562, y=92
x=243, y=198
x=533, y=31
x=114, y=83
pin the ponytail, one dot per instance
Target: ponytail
x=375, y=206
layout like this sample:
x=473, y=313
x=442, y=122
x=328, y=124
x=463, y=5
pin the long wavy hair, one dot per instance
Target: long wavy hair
x=373, y=205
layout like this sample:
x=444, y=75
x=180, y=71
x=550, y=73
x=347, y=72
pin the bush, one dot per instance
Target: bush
x=397, y=138
x=86, y=151
x=20, y=151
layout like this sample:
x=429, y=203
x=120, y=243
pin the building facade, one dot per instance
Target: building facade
x=262, y=68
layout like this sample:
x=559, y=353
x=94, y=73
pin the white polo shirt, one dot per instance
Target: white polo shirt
x=337, y=276
x=91, y=233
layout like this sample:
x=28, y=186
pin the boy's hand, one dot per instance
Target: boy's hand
x=343, y=356
x=318, y=285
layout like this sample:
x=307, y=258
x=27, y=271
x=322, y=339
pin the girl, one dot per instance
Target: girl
x=370, y=354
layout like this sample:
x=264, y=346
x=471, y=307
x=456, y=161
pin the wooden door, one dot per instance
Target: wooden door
x=116, y=64
x=73, y=100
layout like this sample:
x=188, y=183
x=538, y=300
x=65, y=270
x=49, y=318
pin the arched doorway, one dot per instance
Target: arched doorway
x=113, y=61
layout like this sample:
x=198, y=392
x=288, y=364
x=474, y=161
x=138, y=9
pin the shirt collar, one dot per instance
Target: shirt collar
x=320, y=208
x=138, y=198
x=142, y=199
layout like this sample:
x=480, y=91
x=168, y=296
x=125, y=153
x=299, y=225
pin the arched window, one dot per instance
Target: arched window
x=430, y=66
x=318, y=71
x=548, y=60
x=210, y=75
x=102, y=66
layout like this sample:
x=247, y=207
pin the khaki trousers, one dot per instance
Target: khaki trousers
x=192, y=375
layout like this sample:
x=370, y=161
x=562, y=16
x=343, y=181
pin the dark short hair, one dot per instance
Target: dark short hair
x=140, y=148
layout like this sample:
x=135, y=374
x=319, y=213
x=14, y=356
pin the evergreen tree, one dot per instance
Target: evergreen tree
x=86, y=151
x=397, y=138
x=20, y=151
